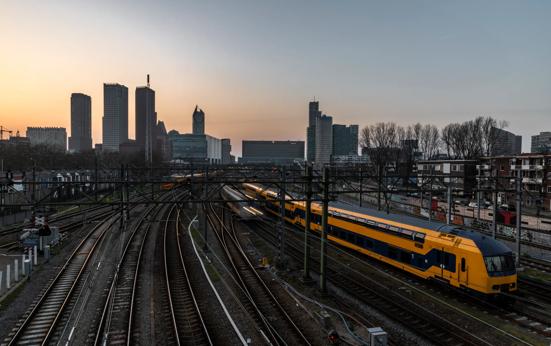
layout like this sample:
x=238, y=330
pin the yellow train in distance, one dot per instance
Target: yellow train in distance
x=461, y=258
x=179, y=180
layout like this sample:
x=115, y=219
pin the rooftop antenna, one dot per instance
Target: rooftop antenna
x=148, y=80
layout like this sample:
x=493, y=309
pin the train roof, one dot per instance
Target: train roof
x=487, y=245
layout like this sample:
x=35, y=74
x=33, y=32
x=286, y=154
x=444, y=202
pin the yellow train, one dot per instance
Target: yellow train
x=458, y=257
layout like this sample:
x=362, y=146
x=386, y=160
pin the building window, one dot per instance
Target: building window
x=549, y=189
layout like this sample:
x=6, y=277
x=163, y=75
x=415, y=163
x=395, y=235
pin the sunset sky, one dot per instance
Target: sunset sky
x=254, y=65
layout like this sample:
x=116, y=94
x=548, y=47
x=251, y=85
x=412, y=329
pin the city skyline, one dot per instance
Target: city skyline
x=436, y=64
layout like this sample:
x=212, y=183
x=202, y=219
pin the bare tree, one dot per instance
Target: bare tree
x=381, y=141
x=429, y=141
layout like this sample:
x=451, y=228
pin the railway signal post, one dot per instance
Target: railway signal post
x=323, y=238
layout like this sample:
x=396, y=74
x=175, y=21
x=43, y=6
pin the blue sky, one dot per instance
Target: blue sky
x=254, y=65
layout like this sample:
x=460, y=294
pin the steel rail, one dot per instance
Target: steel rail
x=71, y=276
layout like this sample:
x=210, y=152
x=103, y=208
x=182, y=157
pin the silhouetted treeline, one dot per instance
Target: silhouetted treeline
x=24, y=157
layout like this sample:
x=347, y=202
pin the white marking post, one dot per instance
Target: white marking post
x=16, y=271
x=8, y=283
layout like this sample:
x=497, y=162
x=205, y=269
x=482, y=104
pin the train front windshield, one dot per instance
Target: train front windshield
x=500, y=265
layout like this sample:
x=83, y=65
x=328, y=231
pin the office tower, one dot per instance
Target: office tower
x=115, y=116
x=313, y=114
x=146, y=120
x=81, y=123
x=275, y=152
x=198, y=121
x=506, y=143
x=345, y=140
x=541, y=143
x=226, y=151
x=52, y=137
x=324, y=139
x=195, y=148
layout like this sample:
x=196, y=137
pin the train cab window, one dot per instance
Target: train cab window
x=446, y=261
x=499, y=265
x=463, y=265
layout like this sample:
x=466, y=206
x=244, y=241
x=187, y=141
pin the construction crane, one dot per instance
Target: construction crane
x=2, y=130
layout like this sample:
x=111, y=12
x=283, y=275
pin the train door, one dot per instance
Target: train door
x=462, y=272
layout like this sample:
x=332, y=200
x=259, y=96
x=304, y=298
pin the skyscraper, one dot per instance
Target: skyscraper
x=345, y=140
x=541, y=143
x=81, y=123
x=324, y=139
x=198, y=121
x=115, y=116
x=506, y=143
x=313, y=114
x=226, y=151
x=146, y=119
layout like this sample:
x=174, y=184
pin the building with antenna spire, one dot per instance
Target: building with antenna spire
x=146, y=120
x=198, y=121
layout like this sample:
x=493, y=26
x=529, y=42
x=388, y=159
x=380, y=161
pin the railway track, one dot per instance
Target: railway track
x=276, y=324
x=115, y=325
x=538, y=289
x=18, y=227
x=542, y=265
x=38, y=326
x=186, y=318
x=370, y=291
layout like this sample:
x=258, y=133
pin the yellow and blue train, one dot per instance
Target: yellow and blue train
x=461, y=258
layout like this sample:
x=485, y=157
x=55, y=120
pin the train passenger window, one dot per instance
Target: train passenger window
x=368, y=243
x=392, y=253
x=360, y=241
x=405, y=257
x=463, y=265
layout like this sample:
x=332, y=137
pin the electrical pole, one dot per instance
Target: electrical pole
x=96, y=177
x=324, y=219
x=450, y=203
x=361, y=185
x=281, y=222
x=495, y=209
x=379, y=187
x=519, y=215
x=430, y=192
x=308, y=209
x=478, y=195
x=205, y=197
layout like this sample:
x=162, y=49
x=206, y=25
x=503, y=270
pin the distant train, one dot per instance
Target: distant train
x=235, y=202
x=178, y=179
x=458, y=257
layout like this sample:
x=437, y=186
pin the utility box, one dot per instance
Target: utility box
x=377, y=336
